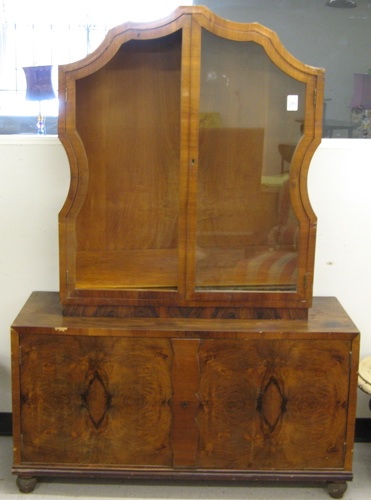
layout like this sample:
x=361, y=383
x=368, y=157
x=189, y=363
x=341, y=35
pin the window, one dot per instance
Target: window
x=51, y=33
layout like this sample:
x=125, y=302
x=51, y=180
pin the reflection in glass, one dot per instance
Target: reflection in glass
x=251, y=119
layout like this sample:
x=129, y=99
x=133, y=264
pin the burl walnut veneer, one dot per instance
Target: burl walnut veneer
x=165, y=398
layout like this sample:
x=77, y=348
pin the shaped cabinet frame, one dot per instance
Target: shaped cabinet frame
x=175, y=199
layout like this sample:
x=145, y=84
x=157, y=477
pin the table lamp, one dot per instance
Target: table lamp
x=39, y=88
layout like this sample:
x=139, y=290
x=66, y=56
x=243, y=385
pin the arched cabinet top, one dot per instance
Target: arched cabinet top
x=189, y=141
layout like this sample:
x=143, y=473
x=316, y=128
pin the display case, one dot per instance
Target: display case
x=182, y=343
x=178, y=202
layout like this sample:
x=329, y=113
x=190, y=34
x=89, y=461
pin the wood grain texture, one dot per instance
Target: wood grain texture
x=186, y=312
x=43, y=314
x=96, y=400
x=230, y=197
x=273, y=404
x=184, y=397
x=131, y=205
x=185, y=402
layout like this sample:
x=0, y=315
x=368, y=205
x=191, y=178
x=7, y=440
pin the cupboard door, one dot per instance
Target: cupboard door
x=267, y=404
x=95, y=400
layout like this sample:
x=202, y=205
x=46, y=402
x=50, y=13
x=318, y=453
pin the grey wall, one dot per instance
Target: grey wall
x=338, y=40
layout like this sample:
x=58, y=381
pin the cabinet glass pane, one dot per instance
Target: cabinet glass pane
x=128, y=118
x=251, y=119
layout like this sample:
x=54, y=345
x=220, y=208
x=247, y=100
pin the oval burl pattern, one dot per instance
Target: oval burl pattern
x=272, y=403
x=96, y=399
x=90, y=400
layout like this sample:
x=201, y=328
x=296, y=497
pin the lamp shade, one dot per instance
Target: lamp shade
x=39, y=83
x=362, y=91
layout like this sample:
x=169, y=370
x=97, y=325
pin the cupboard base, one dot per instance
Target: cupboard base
x=184, y=398
x=336, y=482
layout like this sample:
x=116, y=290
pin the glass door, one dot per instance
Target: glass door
x=128, y=117
x=251, y=116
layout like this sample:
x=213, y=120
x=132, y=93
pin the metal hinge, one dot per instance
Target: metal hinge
x=65, y=95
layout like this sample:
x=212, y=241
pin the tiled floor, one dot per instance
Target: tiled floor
x=358, y=489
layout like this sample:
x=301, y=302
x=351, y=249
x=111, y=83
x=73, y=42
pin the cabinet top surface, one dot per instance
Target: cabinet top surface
x=43, y=311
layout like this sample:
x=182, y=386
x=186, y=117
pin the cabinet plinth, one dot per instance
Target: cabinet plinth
x=184, y=398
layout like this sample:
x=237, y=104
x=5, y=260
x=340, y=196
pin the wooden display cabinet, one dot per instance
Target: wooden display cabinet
x=184, y=345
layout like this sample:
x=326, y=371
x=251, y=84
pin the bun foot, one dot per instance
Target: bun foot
x=337, y=490
x=26, y=484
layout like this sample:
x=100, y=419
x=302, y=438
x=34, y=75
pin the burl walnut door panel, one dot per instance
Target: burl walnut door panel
x=237, y=404
x=267, y=404
x=95, y=400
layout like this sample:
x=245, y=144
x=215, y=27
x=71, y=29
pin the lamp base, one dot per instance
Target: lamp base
x=40, y=125
x=362, y=118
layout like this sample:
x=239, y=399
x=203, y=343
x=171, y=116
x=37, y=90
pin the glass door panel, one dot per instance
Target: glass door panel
x=251, y=119
x=128, y=116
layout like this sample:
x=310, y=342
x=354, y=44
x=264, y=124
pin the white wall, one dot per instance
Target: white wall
x=339, y=188
x=34, y=179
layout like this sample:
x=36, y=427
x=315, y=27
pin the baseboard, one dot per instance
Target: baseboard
x=5, y=424
x=362, y=432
